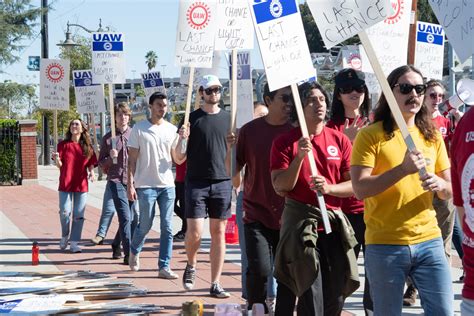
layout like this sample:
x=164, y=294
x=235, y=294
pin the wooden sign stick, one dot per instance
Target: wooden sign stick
x=55, y=129
x=95, y=144
x=112, y=120
x=312, y=162
x=233, y=106
x=184, y=143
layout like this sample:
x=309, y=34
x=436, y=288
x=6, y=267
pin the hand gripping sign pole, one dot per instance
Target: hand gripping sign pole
x=184, y=142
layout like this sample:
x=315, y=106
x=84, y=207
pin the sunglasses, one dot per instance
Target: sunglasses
x=210, y=91
x=406, y=88
x=286, y=98
x=349, y=89
x=435, y=95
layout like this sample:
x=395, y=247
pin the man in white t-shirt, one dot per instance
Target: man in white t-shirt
x=150, y=179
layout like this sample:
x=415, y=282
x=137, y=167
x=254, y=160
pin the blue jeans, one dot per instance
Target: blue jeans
x=108, y=211
x=75, y=203
x=388, y=266
x=146, y=203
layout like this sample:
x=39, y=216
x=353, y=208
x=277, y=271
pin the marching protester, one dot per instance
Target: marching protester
x=150, y=181
x=402, y=235
x=262, y=207
x=318, y=268
x=208, y=185
x=106, y=215
x=117, y=179
x=76, y=160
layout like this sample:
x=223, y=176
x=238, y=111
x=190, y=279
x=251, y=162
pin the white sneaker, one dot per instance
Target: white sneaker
x=134, y=262
x=167, y=273
x=75, y=247
x=63, y=243
x=271, y=304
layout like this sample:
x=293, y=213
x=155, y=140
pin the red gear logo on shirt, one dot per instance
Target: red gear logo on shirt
x=198, y=15
x=398, y=11
x=55, y=72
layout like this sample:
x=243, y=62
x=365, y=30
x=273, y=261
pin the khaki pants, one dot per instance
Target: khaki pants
x=445, y=211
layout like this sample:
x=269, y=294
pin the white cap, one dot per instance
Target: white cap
x=208, y=81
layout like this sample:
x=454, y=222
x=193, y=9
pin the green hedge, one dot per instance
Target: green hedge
x=8, y=137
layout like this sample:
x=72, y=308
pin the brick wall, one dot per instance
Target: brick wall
x=29, y=165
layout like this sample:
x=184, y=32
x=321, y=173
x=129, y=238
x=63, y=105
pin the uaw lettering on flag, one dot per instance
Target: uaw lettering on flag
x=282, y=42
x=429, y=49
x=244, y=87
x=89, y=96
x=108, y=60
x=152, y=82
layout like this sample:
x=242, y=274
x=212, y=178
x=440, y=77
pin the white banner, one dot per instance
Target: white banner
x=89, y=96
x=152, y=82
x=54, y=84
x=244, y=88
x=195, y=34
x=282, y=42
x=108, y=60
x=234, y=25
x=429, y=51
x=457, y=18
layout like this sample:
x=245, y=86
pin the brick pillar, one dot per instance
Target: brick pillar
x=29, y=162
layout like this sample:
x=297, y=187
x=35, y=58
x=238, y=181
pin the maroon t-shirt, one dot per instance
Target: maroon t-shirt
x=260, y=202
x=73, y=172
x=444, y=127
x=180, y=172
x=332, y=153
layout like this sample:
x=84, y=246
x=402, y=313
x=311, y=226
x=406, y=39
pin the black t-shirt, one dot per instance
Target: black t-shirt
x=207, y=145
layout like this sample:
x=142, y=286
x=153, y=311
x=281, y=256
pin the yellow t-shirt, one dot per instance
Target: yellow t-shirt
x=404, y=213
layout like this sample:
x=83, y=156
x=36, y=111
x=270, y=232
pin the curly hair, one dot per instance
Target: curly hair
x=304, y=91
x=383, y=113
x=84, y=140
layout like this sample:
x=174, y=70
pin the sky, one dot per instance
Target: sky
x=146, y=25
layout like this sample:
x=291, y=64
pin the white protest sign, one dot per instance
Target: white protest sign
x=457, y=18
x=54, y=84
x=244, y=88
x=234, y=25
x=390, y=38
x=152, y=82
x=339, y=20
x=108, y=61
x=351, y=58
x=195, y=34
x=282, y=42
x=199, y=72
x=429, y=51
x=89, y=96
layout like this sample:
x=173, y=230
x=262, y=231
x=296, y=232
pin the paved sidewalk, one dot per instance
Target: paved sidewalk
x=30, y=213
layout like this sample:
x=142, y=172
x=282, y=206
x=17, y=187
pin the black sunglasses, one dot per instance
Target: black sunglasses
x=215, y=90
x=349, y=89
x=406, y=88
x=286, y=98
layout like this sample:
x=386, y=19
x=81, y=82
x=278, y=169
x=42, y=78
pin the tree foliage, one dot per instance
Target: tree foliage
x=15, y=98
x=151, y=60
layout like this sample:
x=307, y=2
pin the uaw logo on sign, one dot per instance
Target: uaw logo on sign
x=83, y=78
x=243, y=66
x=430, y=33
x=398, y=7
x=107, y=42
x=198, y=15
x=263, y=13
x=152, y=79
x=55, y=72
x=276, y=9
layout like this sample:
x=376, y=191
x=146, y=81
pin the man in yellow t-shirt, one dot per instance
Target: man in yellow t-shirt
x=402, y=235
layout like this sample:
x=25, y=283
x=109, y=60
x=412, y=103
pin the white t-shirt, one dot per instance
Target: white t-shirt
x=154, y=143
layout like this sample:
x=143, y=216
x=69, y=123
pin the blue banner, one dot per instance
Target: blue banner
x=153, y=83
x=275, y=9
x=429, y=38
x=107, y=46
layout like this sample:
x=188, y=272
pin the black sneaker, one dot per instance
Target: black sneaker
x=179, y=236
x=217, y=291
x=116, y=252
x=125, y=260
x=188, y=277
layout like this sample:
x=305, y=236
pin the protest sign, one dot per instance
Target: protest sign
x=244, y=92
x=152, y=82
x=89, y=96
x=199, y=72
x=234, y=25
x=457, y=18
x=108, y=62
x=195, y=34
x=54, y=84
x=351, y=58
x=429, y=51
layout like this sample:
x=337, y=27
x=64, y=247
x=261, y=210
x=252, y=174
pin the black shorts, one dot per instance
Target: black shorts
x=208, y=197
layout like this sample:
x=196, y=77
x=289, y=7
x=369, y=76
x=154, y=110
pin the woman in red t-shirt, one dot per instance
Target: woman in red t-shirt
x=76, y=160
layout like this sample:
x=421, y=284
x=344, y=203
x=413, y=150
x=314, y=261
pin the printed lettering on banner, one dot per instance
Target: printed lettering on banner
x=195, y=34
x=54, y=84
x=457, y=18
x=244, y=88
x=108, y=60
x=429, y=51
x=234, y=25
x=339, y=20
x=282, y=42
x=152, y=82
x=89, y=96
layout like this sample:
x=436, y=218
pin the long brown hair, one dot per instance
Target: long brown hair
x=422, y=119
x=84, y=140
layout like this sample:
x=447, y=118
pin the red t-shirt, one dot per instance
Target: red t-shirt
x=73, y=172
x=349, y=205
x=260, y=203
x=180, y=172
x=332, y=153
x=444, y=127
x=462, y=177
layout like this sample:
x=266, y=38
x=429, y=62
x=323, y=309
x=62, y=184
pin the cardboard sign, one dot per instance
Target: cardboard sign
x=89, y=97
x=108, y=62
x=282, y=42
x=196, y=32
x=152, y=82
x=351, y=58
x=339, y=20
x=429, y=51
x=54, y=84
x=199, y=72
x=390, y=38
x=244, y=88
x=234, y=25
x=457, y=18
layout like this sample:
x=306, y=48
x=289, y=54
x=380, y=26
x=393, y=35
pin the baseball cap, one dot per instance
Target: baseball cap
x=209, y=81
x=349, y=77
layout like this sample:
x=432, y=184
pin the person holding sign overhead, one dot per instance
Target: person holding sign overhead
x=318, y=268
x=402, y=234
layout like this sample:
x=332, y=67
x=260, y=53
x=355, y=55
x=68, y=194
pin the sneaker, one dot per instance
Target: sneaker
x=217, y=291
x=167, y=273
x=188, y=277
x=409, y=298
x=97, y=240
x=179, y=236
x=271, y=303
x=116, y=252
x=125, y=260
x=134, y=262
x=75, y=247
x=63, y=243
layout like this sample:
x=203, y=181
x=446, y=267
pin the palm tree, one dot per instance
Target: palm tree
x=151, y=58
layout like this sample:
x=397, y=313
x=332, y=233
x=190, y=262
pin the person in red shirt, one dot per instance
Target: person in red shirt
x=76, y=160
x=179, y=202
x=462, y=176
